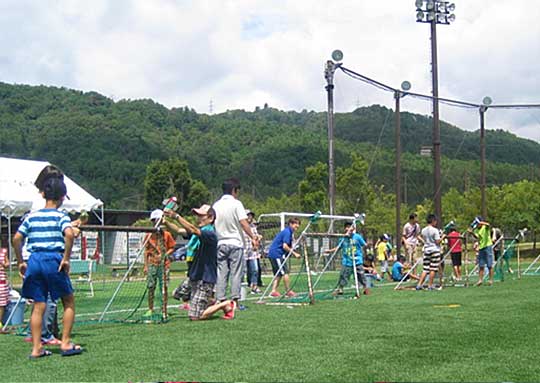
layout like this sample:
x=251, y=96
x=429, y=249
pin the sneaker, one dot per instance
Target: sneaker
x=242, y=307
x=291, y=294
x=176, y=294
x=337, y=292
x=230, y=315
x=367, y=292
x=28, y=339
x=275, y=294
x=149, y=313
x=418, y=288
x=185, y=306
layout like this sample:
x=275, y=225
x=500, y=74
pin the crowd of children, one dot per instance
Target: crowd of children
x=49, y=234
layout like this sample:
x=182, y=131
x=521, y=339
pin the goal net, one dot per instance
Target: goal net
x=315, y=274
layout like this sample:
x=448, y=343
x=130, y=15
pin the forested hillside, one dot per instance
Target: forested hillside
x=106, y=145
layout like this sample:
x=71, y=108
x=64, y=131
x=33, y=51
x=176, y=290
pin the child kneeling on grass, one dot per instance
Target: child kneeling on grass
x=50, y=235
x=203, y=271
x=399, y=270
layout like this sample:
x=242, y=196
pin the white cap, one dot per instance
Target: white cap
x=156, y=214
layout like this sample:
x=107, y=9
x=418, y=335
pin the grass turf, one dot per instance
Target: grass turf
x=459, y=334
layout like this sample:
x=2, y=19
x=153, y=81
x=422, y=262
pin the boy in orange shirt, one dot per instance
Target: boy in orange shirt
x=159, y=245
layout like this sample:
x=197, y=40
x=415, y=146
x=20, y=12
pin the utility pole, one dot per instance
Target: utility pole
x=486, y=101
x=405, y=85
x=435, y=12
x=329, y=75
x=397, y=97
x=436, y=127
x=483, y=162
x=329, y=71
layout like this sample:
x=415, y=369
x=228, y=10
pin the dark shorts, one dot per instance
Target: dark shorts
x=202, y=294
x=278, y=265
x=407, y=277
x=42, y=278
x=456, y=258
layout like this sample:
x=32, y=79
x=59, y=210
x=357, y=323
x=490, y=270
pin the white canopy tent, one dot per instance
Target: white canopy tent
x=19, y=195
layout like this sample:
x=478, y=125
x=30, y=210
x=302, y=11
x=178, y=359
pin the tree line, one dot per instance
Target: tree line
x=121, y=151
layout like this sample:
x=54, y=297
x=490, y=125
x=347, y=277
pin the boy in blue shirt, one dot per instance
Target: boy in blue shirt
x=350, y=245
x=399, y=270
x=49, y=239
x=279, y=249
x=202, y=273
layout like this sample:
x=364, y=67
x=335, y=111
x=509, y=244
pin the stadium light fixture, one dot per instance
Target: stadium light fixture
x=406, y=86
x=337, y=55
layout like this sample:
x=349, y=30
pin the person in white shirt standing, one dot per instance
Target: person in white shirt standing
x=231, y=220
x=411, y=231
x=432, y=239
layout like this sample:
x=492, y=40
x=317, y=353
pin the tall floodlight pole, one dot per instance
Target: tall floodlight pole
x=405, y=85
x=486, y=101
x=435, y=12
x=329, y=70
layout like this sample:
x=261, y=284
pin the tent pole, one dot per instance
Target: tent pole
x=103, y=234
x=10, y=249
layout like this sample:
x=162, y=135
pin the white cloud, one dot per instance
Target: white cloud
x=243, y=53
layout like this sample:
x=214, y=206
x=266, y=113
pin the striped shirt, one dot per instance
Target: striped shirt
x=44, y=230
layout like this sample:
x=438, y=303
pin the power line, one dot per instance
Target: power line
x=447, y=101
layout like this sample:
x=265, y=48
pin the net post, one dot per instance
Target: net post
x=518, y=261
x=308, y=272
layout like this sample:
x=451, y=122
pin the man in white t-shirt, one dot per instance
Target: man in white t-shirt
x=231, y=220
x=409, y=238
x=432, y=239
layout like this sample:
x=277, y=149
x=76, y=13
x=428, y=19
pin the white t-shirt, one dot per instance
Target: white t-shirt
x=229, y=212
x=431, y=235
x=410, y=232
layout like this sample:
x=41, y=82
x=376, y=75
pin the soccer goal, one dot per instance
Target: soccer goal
x=124, y=293
x=313, y=276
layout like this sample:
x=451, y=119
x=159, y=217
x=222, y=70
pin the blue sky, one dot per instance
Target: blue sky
x=244, y=53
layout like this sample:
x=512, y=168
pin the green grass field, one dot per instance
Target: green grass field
x=485, y=334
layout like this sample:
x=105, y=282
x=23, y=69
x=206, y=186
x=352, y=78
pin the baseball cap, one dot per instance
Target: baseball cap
x=156, y=214
x=476, y=221
x=203, y=210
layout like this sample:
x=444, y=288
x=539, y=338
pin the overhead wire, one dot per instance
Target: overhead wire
x=442, y=100
x=447, y=101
